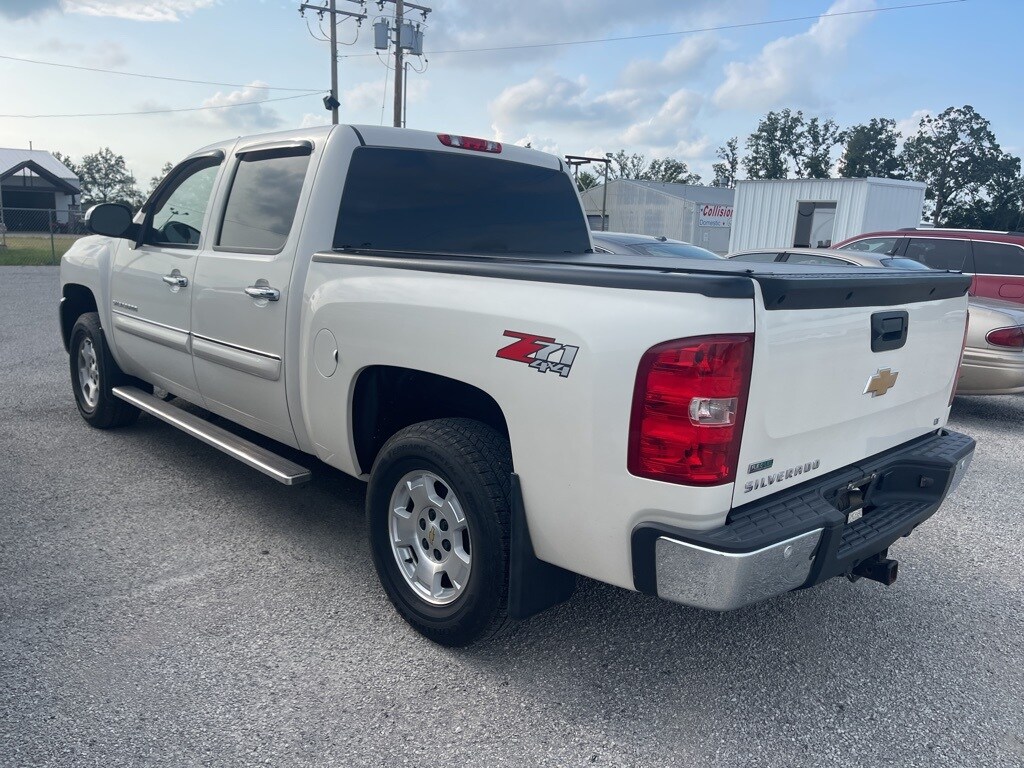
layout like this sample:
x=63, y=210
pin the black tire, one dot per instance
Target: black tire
x=106, y=411
x=475, y=461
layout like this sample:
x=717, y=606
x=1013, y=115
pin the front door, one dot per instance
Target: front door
x=242, y=290
x=151, y=281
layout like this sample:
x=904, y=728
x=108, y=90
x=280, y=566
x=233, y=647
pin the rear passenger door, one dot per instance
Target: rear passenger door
x=242, y=288
x=999, y=270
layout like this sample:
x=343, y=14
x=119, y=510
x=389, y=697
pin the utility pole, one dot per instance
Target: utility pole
x=331, y=102
x=334, y=64
x=399, y=14
x=405, y=39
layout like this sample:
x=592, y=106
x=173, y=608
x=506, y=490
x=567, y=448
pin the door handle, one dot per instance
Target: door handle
x=175, y=281
x=263, y=292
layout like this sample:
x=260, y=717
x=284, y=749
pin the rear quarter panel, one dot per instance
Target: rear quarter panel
x=568, y=434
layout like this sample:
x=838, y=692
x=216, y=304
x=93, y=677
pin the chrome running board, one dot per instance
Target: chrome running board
x=267, y=462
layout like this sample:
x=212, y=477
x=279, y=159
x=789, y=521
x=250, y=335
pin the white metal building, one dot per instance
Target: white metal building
x=801, y=213
x=693, y=213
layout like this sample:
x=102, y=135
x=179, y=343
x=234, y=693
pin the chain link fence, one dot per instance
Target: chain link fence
x=37, y=236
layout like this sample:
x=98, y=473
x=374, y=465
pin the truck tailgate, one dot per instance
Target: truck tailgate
x=842, y=371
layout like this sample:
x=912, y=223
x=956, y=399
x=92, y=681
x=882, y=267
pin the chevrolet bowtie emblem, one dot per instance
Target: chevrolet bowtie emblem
x=881, y=382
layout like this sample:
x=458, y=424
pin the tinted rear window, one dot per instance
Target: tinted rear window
x=441, y=202
x=998, y=258
x=901, y=263
x=757, y=257
x=672, y=249
x=884, y=245
x=940, y=253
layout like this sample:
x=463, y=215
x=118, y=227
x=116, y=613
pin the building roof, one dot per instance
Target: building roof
x=837, y=180
x=11, y=158
x=694, y=192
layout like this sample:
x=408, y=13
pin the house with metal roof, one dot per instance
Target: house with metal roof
x=34, y=180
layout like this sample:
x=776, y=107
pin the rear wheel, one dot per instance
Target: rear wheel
x=438, y=507
x=94, y=374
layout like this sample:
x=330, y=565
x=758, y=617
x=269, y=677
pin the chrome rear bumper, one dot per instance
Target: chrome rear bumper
x=804, y=535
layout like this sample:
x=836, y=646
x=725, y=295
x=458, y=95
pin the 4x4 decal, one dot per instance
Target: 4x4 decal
x=542, y=353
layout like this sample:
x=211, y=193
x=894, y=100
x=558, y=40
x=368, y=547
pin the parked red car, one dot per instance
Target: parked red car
x=995, y=259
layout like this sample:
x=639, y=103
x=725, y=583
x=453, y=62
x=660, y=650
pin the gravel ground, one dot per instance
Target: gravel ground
x=164, y=605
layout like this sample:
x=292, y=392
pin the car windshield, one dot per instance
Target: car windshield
x=672, y=249
x=900, y=263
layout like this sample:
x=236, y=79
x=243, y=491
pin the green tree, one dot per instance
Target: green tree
x=67, y=161
x=956, y=155
x=106, y=179
x=871, y=150
x=816, y=140
x=776, y=147
x=636, y=166
x=1000, y=203
x=727, y=170
x=586, y=179
x=154, y=182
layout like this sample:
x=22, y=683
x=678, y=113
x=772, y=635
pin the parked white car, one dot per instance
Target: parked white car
x=425, y=312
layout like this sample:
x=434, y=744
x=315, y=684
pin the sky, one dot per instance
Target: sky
x=664, y=95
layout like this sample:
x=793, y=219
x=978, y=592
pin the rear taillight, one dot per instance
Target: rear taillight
x=1006, y=337
x=468, y=142
x=960, y=360
x=688, y=408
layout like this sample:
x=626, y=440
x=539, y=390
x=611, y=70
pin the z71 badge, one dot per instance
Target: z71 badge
x=541, y=353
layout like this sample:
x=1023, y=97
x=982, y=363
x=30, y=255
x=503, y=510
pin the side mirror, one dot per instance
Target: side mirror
x=110, y=219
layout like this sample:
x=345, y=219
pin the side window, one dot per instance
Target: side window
x=262, y=200
x=815, y=260
x=940, y=253
x=176, y=217
x=882, y=245
x=760, y=258
x=998, y=258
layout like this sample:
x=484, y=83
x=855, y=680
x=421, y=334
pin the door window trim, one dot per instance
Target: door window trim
x=302, y=148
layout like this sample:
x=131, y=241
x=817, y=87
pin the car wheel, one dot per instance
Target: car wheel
x=439, y=511
x=94, y=374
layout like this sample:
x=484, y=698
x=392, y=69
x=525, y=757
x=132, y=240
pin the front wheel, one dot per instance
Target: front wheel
x=438, y=508
x=94, y=374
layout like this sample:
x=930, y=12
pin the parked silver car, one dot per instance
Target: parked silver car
x=993, y=361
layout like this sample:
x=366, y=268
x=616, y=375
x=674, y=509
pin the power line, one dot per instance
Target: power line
x=149, y=77
x=723, y=27
x=166, y=111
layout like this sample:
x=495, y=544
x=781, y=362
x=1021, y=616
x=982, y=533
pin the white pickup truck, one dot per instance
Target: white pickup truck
x=426, y=312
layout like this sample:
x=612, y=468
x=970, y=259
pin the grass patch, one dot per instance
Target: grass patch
x=34, y=251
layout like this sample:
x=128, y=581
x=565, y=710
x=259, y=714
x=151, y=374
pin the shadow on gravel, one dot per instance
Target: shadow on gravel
x=987, y=410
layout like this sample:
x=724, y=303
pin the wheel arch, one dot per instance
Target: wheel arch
x=389, y=398
x=75, y=301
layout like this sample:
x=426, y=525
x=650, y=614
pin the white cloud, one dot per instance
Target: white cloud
x=553, y=99
x=671, y=124
x=253, y=115
x=791, y=69
x=683, y=59
x=908, y=126
x=137, y=10
x=462, y=24
x=312, y=120
x=543, y=143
